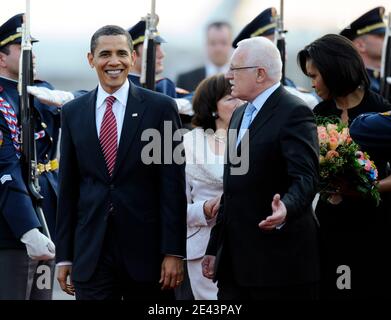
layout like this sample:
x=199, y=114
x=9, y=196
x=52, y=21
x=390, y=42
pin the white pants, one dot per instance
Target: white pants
x=203, y=288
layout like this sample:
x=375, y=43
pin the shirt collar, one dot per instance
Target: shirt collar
x=260, y=100
x=9, y=79
x=121, y=95
x=212, y=69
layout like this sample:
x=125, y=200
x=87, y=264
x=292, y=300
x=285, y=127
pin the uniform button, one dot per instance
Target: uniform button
x=44, y=125
x=46, y=156
x=51, y=139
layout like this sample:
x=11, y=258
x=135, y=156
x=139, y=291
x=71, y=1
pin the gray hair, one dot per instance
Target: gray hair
x=264, y=53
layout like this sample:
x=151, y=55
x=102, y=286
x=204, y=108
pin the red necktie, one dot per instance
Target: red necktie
x=108, y=135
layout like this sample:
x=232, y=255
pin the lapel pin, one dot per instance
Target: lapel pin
x=134, y=115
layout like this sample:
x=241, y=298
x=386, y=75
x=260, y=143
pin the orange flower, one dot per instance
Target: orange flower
x=333, y=143
x=331, y=154
x=334, y=133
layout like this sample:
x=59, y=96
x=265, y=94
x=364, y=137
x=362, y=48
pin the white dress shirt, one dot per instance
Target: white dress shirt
x=211, y=69
x=119, y=106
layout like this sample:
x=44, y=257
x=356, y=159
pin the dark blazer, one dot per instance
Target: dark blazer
x=283, y=158
x=149, y=199
x=190, y=80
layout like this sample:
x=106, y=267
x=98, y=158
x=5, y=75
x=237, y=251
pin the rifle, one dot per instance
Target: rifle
x=147, y=78
x=280, y=38
x=385, y=70
x=28, y=117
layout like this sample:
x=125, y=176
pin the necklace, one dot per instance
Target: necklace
x=219, y=138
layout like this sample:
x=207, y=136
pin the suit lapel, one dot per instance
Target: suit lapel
x=266, y=112
x=133, y=116
x=235, y=124
x=233, y=132
x=92, y=136
x=262, y=117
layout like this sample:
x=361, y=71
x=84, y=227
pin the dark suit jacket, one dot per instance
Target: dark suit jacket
x=283, y=158
x=190, y=80
x=149, y=200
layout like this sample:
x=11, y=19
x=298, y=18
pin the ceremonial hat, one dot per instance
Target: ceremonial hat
x=10, y=31
x=262, y=25
x=137, y=33
x=370, y=22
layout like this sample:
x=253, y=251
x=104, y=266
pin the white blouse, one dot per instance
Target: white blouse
x=204, y=181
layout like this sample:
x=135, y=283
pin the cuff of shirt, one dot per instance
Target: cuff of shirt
x=280, y=226
x=64, y=263
x=174, y=255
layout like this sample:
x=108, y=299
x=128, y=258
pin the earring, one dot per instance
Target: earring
x=215, y=115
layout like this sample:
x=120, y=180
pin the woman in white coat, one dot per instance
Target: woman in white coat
x=204, y=147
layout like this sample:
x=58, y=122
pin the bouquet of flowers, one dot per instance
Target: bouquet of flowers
x=344, y=168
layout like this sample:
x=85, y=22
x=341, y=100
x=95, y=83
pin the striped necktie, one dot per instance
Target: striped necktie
x=108, y=135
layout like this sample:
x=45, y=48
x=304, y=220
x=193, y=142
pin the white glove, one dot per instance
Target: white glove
x=39, y=247
x=50, y=97
x=184, y=106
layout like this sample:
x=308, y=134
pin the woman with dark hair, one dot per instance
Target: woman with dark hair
x=350, y=227
x=204, y=147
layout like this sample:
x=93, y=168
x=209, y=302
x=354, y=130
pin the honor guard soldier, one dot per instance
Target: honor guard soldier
x=23, y=248
x=372, y=131
x=163, y=85
x=367, y=33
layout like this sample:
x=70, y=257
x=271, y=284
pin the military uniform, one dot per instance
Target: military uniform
x=17, y=212
x=374, y=79
x=164, y=85
x=373, y=130
x=370, y=22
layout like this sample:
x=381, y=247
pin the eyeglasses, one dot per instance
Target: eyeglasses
x=231, y=69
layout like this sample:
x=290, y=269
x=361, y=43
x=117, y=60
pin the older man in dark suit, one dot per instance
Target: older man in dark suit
x=121, y=221
x=264, y=244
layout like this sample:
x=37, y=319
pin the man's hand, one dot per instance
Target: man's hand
x=278, y=216
x=39, y=247
x=171, y=274
x=63, y=272
x=208, y=266
x=50, y=97
x=211, y=207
